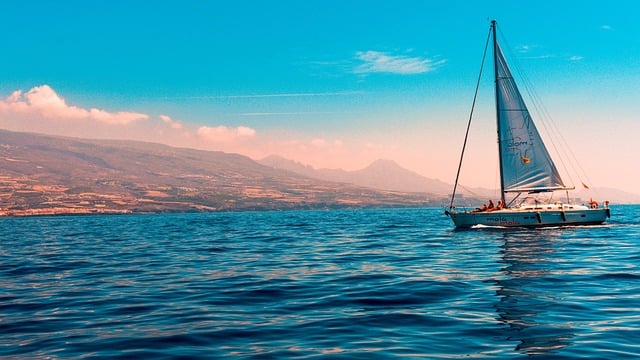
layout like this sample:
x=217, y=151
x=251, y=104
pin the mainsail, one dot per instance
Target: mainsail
x=526, y=165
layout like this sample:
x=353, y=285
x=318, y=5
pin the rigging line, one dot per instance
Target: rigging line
x=473, y=105
x=561, y=146
x=551, y=129
x=565, y=148
x=550, y=126
x=471, y=192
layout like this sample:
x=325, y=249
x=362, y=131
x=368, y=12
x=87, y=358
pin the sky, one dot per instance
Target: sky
x=331, y=84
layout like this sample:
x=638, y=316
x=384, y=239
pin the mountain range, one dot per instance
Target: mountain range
x=381, y=174
x=50, y=174
x=44, y=172
x=388, y=175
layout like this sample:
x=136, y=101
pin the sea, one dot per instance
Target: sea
x=335, y=284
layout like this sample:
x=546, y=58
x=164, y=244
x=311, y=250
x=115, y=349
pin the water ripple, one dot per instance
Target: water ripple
x=341, y=284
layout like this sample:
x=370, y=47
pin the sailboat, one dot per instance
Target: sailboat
x=526, y=168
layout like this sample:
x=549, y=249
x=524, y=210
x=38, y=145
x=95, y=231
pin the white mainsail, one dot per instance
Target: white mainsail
x=525, y=162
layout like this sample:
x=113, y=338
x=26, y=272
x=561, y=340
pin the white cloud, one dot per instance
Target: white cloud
x=575, y=58
x=44, y=111
x=379, y=62
x=43, y=101
x=168, y=120
x=606, y=27
x=225, y=134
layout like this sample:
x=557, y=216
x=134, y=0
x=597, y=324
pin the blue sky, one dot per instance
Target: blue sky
x=326, y=83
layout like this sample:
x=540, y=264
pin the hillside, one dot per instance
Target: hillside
x=48, y=174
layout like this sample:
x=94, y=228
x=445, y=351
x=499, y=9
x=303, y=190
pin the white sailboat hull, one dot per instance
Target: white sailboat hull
x=530, y=218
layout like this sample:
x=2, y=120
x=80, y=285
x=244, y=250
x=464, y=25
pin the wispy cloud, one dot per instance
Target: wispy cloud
x=225, y=134
x=380, y=62
x=540, y=57
x=273, y=95
x=575, y=58
x=317, y=94
x=526, y=48
x=606, y=27
x=292, y=113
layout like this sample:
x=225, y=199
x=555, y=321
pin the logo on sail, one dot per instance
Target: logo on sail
x=525, y=160
x=518, y=143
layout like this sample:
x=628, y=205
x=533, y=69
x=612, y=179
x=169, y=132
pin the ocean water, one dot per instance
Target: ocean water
x=361, y=284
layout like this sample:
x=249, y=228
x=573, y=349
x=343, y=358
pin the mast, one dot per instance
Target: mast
x=496, y=76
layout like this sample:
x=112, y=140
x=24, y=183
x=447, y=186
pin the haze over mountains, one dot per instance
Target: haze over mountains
x=388, y=175
x=381, y=174
x=47, y=172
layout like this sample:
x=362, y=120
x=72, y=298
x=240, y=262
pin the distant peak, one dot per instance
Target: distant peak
x=383, y=163
x=272, y=157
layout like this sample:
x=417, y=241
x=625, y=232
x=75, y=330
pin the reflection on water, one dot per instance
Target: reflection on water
x=529, y=293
